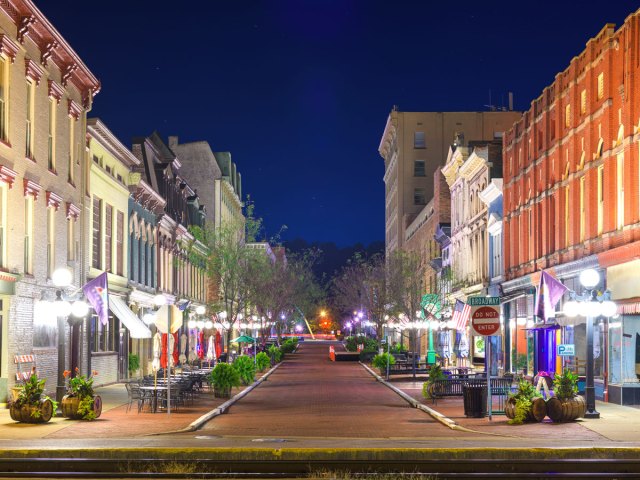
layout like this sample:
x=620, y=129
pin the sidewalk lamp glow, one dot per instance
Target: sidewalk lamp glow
x=160, y=300
x=222, y=315
x=61, y=277
x=79, y=309
x=200, y=309
x=589, y=278
x=208, y=324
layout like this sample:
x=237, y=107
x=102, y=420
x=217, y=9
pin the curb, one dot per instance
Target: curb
x=199, y=422
x=446, y=421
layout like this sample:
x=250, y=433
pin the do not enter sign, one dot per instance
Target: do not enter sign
x=485, y=320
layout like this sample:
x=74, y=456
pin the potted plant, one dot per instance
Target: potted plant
x=526, y=404
x=31, y=404
x=81, y=402
x=566, y=405
x=134, y=364
x=223, y=378
x=246, y=369
x=381, y=361
x=262, y=361
x=435, y=373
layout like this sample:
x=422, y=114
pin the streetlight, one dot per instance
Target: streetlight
x=589, y=305
x=64, y=309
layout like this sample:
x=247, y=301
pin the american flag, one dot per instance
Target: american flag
x=461, y=315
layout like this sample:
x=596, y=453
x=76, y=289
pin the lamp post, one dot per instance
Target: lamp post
x=64, y=309
x=589, y=305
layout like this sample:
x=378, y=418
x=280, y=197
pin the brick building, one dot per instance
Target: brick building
x=571, y=200
x=45, y=92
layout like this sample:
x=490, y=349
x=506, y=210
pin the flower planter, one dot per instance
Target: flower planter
x=70, y=406
x=566, y=410
x=41, y=413
x=536, y=413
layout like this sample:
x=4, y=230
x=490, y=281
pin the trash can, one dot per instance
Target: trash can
x=475, y=400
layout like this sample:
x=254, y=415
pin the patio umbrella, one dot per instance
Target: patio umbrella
x=218, y=344
x=211, y=351
x=157, y=341
x=243, y=339
x=183, y=348
x=192, y=346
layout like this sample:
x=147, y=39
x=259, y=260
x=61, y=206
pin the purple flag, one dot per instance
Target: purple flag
x=550, y=291
x=97, y=295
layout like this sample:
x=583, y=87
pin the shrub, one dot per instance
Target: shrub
x=565, y=385
x=223, y=378
x=367, y=355
x=398, y=348
x=352, y=343
x=289, y=345
x=246, y=368
x=275, y=354
x=381, y=361
x=523, y=397
x=435, y=373
x=31, y=393
x=262, y=361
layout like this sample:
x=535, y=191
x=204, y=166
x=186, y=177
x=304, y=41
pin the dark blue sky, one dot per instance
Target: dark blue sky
x=299, y=90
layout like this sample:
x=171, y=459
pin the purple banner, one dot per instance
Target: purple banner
x=97, y=295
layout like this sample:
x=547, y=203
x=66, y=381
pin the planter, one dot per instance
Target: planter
x=69, y=407
x=566, y=410
x=536, y=413
x=41, y=413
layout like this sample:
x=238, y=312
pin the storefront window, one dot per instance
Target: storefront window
x=624, y=349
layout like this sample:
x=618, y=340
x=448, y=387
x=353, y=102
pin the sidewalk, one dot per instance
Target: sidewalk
x=616, y=423
x=115, y=421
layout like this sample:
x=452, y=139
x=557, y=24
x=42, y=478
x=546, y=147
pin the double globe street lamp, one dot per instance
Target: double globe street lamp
x=590, y=305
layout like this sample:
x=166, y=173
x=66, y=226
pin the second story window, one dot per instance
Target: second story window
x=28, y=234
x=51, y=141
x=418, y=140
x=96, y=233
x=108, y=238
x=120, y=243
x=29, y=121
x=4, y=110
x=419, y=168
x=419, y=196
x=600, y=86
x=71, y=173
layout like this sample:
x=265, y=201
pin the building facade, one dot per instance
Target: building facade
x=45, y=93
x=414, y=145
x=571, y=189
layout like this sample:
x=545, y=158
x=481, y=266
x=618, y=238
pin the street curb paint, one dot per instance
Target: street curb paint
x=446, y=421
x=199, y=422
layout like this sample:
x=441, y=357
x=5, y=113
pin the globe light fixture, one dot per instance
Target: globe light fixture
x=208, y=324
x=61, y=277
x=608, y=308
x=191, y=324
x=589, y=278
x=571, y=308
x=148, y=318
x=240, y=316
x=200, y=309
x=160, y=300
x=200, y=324
x=222, y=315
x=79, y=309
x=61, y=307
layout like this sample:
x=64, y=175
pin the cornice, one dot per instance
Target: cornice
x=492, y=192
x=33, y=71
x=8, y=47
x=31, y=188
x=56, y=91
x=53, y=200
x=472, y=165
x=74, y=110
x=73, y=212
x=30, y=22
x=7, y=175
x=99, y=131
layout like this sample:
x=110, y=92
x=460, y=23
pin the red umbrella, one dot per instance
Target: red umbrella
x=218, y=344
x=163, y=355
x=176, y=351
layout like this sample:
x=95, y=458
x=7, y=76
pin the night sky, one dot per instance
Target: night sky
x=299, y=90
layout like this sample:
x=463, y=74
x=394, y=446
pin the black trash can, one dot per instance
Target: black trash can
x=475, y=400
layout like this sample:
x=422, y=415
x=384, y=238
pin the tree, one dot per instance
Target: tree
x=362, y=284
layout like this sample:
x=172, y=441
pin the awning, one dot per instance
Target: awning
x=130, y=320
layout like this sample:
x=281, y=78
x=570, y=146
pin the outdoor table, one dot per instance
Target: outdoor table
x=154, y=400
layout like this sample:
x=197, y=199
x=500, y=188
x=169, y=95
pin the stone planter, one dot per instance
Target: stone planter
x=566, y=410
x=69, y=406
x=41, y=413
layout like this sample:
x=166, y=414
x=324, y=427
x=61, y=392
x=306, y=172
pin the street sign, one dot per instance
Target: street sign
x=485, y=315
x=566, y=350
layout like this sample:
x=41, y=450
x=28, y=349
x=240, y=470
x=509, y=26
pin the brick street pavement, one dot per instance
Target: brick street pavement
x=310, y=396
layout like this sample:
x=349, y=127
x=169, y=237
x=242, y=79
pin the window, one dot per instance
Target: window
x=582, y=210
x=96, y=160
x=418, y=140
x=119, y=177
x=51, y=141
x=566, y=217
x=600, y=86
x=71, y=239
x=583, y=102
x=104, y=336
x=600, y=198
x=419, y=169
x=71, y=175
x=3, y=224
x=108, y=169
x=620, y=185
x=28, y=234
x=567, y=116
x=120, y=243
x=108, y=238
x=418, y=197
x=97, y=232
x=4, y=98
x=28, y=151
x=51, y=242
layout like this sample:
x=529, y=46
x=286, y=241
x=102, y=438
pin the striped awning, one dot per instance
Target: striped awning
x=129, y=319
